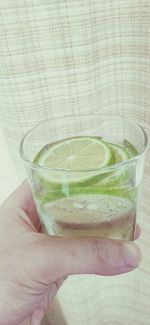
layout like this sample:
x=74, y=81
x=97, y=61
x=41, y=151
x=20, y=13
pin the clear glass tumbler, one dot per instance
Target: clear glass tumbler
x=88, y=201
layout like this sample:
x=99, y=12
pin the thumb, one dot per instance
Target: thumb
x=60, y=256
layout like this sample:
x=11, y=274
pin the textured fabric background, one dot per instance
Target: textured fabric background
x=64, y=56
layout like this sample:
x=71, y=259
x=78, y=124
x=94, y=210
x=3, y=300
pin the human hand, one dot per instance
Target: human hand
x=34, y=265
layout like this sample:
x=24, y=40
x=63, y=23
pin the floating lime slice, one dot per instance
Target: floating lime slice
x=78, y=156
x=130, y=148
x=118, y=176
x=82, y=159
x=122, y=174
x=120, y=153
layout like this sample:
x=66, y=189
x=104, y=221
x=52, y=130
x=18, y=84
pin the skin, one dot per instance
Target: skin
x=33, y=265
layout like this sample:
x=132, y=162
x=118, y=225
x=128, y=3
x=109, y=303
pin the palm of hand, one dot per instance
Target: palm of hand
x=25, y=285
x=33, y=265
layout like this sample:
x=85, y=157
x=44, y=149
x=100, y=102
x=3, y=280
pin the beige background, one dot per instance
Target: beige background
x=65, y=56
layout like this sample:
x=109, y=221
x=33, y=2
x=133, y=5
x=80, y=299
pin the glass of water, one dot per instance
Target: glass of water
x=85, y=173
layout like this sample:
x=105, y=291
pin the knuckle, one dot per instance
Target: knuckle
x=100, y=251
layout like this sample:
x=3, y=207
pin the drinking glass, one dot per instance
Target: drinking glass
x=102, y=201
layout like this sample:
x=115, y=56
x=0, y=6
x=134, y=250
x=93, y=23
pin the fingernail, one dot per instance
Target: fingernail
x=132, y=255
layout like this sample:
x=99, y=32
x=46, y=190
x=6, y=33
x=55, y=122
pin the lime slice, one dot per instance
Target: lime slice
x=82, y=215
x=87, y=210
x=123, y=173
x=130, y=148
x=118, y=176
x=120, y=153
x=77, y=156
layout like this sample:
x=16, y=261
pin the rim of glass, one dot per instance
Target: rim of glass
x=101, y=169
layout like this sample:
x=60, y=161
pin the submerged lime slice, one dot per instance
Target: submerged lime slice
x=82, y=157
x=86, y=210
